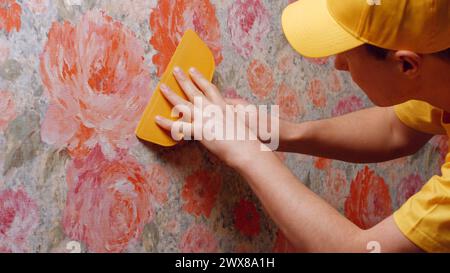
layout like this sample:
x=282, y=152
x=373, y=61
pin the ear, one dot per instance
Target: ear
x=409, y=63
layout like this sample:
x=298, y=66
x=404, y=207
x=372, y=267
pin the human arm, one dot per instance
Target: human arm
x=308, y=221
x=367, y=136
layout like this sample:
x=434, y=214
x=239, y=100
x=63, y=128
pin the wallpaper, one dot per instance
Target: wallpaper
x=75, y=77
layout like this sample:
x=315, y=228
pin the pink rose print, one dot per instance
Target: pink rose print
x=96, y=83
x=348, y=105
x=407, y=187
x=18, y=218
x=7, y=109
x=198, y=239
x=248, y=23
x=108, y=201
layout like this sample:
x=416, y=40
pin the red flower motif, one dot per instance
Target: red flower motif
x=171, y=18
x=10, y=12
x=260, y=79
x=246, y=218
x=369, y=201
x=18, y=218
x=108, y=201
x=198, y=239
x=96, y=82
x=200, y=192
x=248, y=24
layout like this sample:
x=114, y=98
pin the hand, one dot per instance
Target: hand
x=196, y=124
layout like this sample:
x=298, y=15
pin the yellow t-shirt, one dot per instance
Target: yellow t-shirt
x=425, y=217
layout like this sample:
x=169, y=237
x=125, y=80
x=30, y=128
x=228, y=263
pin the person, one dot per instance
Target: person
x=398, y=53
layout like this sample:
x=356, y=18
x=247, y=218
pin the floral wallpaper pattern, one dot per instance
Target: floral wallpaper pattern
x=75, y=76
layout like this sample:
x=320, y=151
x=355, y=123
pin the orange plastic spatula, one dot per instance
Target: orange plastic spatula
x=191, y=52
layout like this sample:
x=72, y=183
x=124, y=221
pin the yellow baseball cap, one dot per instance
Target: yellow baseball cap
x=320, y=28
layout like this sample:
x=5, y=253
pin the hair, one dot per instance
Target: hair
x=381, y=53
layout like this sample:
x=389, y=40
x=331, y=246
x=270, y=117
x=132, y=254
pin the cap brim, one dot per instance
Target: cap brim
x=313, y=32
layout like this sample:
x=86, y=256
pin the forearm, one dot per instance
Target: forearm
x=307, y=221
x=370, y=135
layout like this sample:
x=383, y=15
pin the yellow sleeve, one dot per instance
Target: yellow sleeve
x=421, y=116
x=425, y=217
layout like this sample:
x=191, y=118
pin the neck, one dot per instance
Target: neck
x=436, y=86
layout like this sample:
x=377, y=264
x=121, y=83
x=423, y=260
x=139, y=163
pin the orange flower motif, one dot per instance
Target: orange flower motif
x=289, y=102
x=198, y=239
x=316, y=93
x=369, y=201
x=171, y=18
x=260, y=79
x=10, y=12
x=108, y=201
x=200, y=192
x=96, y=82
x=7, y=109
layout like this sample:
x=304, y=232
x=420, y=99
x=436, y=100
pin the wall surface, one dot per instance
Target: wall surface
x=75, y=77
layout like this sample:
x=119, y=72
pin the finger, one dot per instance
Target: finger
x=179, y=130
x=186, y=84
x=173, y=98
x=164, y=123
x=209, y=89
